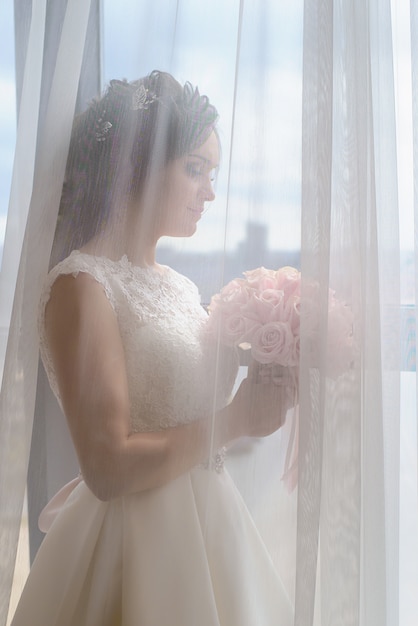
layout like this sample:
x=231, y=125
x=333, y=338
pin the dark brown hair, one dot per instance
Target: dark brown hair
x=134, y=129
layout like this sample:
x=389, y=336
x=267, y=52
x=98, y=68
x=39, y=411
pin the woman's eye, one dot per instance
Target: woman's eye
x=193, y=170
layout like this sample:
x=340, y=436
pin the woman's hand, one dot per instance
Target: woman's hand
x=260, y=405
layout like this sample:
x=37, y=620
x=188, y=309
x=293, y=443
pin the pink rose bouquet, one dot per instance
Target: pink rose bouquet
x=261, y=312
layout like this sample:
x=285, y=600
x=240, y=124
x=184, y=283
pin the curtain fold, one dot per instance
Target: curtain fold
x=388, y=258
x=349, y=442
x=19, y=379
x=316, y=214
x=24, y=163
x=414, y=81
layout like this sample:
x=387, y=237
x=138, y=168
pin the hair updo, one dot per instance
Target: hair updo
x=134, y=129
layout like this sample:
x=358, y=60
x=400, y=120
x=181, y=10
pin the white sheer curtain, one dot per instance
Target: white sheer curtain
x=349, y=443
x=336, y=539
x=38, y=225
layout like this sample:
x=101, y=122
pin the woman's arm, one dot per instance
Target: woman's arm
x=89, y=361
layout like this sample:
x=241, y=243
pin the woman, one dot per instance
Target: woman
x=154, y=532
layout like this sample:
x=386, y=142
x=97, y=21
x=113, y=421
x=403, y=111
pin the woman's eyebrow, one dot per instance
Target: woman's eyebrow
x=199, y=156
x=204, y=159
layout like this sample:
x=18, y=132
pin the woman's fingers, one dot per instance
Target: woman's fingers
x=262, y=404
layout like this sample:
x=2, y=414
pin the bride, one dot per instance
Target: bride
x=153, y=531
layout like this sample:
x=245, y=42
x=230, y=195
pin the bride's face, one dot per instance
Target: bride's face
x=186, y=188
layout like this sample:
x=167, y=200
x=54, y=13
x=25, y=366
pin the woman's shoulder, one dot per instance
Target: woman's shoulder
x=78, y=294
x=98, y=268
x=83, y=262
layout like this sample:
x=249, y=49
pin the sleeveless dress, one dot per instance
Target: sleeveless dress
x=186, y=553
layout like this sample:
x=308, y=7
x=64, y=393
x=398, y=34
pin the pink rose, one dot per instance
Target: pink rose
x=288, y=279
x=232, y=329
x=264, y=307
x=261, y=279
x=254, y=276
x=233, y=326
x=236, y=291
x=272, y=343
x=227, y=303
x=274, y=297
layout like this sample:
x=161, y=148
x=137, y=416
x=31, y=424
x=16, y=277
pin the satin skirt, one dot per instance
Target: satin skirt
x=185, y=554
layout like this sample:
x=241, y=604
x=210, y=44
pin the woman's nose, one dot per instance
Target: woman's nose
x=208, y=190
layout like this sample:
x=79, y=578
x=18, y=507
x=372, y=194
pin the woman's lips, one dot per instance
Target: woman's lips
x=197, y=211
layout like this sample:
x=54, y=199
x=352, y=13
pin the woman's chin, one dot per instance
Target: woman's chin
x=188, y=230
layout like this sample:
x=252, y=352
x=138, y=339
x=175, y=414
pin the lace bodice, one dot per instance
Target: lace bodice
x=170, y=359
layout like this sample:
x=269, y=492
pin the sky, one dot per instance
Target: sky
x=264, y=179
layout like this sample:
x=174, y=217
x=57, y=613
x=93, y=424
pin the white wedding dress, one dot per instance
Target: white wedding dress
x=187, y=553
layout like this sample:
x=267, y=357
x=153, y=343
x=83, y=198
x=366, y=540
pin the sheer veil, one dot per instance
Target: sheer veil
x=309, y=102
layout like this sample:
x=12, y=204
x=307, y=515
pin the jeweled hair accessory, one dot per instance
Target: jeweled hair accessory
x=122, y=96
x=102, y=129
x=196, y=116
x=142, y=98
